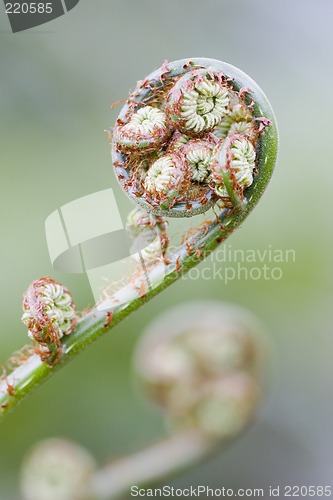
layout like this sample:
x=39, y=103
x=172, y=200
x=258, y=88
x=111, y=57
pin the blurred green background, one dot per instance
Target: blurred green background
x=57, y=84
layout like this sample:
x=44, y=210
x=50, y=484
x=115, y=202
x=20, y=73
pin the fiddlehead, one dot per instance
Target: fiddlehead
x=131, y=169
x=49, y=314
x=205, y=371
x=177, y=119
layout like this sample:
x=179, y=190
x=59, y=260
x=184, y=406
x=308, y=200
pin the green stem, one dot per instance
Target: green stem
x=28, y=376
x=157, y=462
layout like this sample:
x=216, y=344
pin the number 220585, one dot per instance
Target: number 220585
x=29, y=8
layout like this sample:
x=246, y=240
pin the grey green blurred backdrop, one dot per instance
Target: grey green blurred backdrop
x=57, y=84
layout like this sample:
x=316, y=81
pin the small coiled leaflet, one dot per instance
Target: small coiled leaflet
x=198, y=154
x=148, y=235
x=234, y=161
x=238, y=119
x=167, y=177
x=49, y=314
x=146, y=130
x=198, y=102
